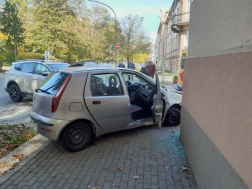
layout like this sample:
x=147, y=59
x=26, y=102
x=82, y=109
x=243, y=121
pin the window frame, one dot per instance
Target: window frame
x=120, y=84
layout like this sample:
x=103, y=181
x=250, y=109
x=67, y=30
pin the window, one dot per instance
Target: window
x=53, y=82
x=105, y=85
x=58, y=66
x=40, y=69
x=137, y=79
x=28, y=67
x=17, y=66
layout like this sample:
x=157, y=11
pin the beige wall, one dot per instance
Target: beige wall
x=219, y=99
x=217, y=92
x=219, y=24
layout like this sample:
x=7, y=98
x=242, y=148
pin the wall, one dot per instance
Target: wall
x=216, y=130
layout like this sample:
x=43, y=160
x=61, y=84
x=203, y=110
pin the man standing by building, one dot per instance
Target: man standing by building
x=131, y=65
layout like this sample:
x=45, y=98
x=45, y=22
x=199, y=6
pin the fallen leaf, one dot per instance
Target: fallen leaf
x=95, y=187
x=163, y=174
x=2, y=173
x=136, y=177
x=120, y=169
x=54, y=175
x=131, y=157
x=89, y=187
x=18, y=156
x=184, y=168
x=13, y=165
x=2, y=164
x=113, y=185
x=167, y=167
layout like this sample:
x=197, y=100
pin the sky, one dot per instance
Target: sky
x=144, y=8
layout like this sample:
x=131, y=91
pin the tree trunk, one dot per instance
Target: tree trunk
x=15, y=48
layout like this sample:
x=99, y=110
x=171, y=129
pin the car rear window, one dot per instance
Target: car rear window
x=58, y=66
x=53, y=82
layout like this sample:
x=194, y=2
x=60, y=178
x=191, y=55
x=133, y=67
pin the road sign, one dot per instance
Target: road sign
x=47, y=55
x=117, y=46
x=112, y=47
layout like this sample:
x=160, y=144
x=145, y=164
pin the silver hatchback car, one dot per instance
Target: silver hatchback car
x=78, y=103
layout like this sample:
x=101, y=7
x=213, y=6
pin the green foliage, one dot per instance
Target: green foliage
x=69, y=60
x=11, y=24
x=10, y=57
x=22, y=56
x=175, y=77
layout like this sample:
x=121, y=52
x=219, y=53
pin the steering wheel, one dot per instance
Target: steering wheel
x=128, y=83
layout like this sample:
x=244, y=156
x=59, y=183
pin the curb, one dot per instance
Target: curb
x=29, y=150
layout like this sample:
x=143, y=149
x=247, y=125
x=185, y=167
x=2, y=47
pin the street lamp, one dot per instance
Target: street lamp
x=115, y=19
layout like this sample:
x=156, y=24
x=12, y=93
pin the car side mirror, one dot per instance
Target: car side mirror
x=45, y=73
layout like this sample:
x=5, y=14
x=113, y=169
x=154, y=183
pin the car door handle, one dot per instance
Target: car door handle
x=96, y=102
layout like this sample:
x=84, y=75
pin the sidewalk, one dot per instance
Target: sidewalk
x=153, y=156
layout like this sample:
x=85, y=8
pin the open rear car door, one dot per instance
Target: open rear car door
x=157, y=108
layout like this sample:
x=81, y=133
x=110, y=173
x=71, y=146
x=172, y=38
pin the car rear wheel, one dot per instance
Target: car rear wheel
x=15, y=93
x=76, y=137
x=173, y=117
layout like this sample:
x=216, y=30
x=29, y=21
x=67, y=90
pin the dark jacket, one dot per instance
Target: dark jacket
x=131, y=66
x=121, y=65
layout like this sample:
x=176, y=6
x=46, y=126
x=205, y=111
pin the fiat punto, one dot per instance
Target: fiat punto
x=75, y=104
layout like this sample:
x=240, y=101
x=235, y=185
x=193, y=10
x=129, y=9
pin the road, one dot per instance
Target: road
x=10, y=110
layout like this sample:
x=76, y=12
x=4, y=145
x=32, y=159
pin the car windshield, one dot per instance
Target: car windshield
x=58, y=66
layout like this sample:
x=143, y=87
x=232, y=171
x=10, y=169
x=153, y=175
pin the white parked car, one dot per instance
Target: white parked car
x=26, y=75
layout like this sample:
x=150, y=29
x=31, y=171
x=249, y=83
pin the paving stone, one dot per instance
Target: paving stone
x=155, y=155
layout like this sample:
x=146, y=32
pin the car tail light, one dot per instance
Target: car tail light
x=57, y=97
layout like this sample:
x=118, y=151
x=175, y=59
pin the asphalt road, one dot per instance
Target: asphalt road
x=10, y=110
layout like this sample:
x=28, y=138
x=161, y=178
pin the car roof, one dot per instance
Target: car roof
x=41, y=61
x=92, y=68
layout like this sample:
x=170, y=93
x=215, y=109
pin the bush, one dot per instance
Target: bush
x=175, y=77
x=60, y=57
x=1, y=61
x=69, y=60
x=10, y=57
x=22, y=56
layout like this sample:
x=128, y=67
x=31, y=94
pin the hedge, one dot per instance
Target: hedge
x=22, y=56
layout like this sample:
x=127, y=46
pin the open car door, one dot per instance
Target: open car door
x=157, y=108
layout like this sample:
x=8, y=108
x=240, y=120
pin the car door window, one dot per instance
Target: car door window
x=106, y=85
x=136, y=79
x=28, y=67
x=17, y=66
x=40, y=69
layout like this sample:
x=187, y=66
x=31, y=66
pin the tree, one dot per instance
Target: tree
x=52, y=25
x=11, y=25
x=134, y=40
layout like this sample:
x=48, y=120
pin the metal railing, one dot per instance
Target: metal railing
x=180, y=18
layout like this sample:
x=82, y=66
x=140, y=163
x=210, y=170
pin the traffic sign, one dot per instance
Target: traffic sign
x=117, y=46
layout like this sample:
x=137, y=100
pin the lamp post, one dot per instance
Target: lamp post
x=115, y=21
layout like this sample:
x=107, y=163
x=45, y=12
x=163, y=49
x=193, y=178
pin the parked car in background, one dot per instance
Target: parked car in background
x=77, y=103
x=26, y=75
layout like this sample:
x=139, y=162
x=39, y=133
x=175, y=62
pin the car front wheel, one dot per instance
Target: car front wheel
x=15, y=93
x=173, y=117
x=76, y=137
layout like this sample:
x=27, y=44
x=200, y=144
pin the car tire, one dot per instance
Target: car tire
x=15, y=93
x=76, y=137
x=173, y=117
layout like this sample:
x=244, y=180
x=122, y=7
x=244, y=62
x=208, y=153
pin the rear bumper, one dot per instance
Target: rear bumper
x=49, y=128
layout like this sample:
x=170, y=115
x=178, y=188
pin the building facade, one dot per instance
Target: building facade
x=216, y=131
x=175, y=28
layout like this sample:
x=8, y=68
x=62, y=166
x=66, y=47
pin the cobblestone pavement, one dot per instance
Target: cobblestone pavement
x=154, y=155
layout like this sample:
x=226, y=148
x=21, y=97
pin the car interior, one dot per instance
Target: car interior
x=140, y=91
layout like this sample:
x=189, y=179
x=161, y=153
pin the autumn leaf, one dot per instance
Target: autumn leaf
x=120, y=169
x=18, y=156
x=184, y=168
x=95, y=187
x=2, y=173
x=136, y=177
x=113, y=185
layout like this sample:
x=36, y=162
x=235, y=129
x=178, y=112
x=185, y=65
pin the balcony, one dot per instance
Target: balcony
x=179, y=21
